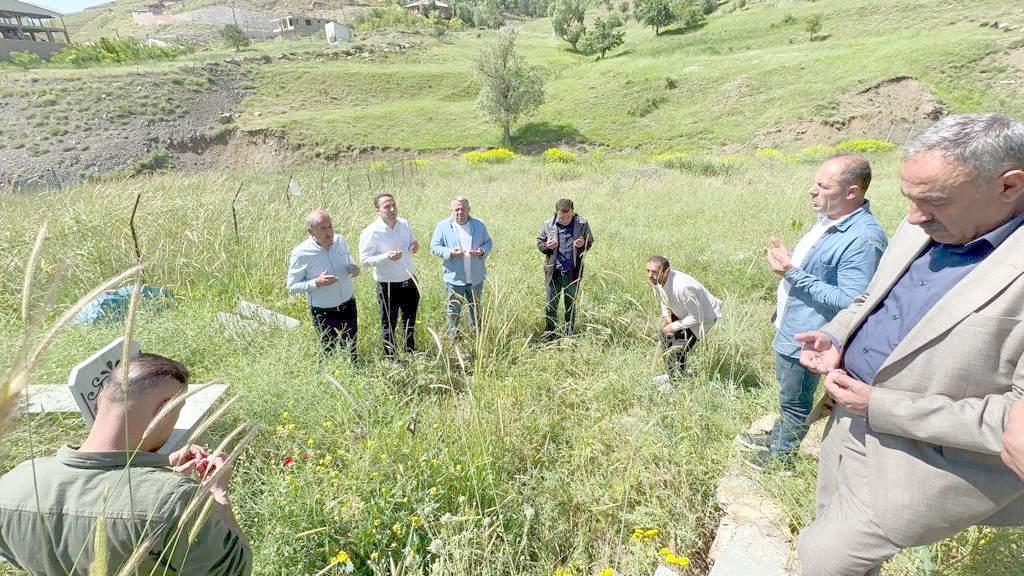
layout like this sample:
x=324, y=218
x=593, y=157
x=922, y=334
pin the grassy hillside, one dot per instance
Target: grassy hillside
x=742, y=73
x=528, y=458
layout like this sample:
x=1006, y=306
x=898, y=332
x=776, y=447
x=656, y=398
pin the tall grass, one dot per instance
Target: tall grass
x=502, y=456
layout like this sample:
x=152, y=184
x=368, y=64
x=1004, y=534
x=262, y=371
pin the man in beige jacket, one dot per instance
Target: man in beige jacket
x=924, y=367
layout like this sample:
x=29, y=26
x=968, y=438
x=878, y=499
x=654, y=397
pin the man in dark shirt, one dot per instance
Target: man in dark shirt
x=924, y=367
x=563, y=239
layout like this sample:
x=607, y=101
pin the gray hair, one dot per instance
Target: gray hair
x=987, y=144
x=313, y=217
x=461, y=200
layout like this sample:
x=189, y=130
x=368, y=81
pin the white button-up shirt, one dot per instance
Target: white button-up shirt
x=377, y=240
x=309, y=260
x=690, y=302
x=800, y=251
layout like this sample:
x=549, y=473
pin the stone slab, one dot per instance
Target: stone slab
x=87, y=377
x=265, y=315
x=238, y=325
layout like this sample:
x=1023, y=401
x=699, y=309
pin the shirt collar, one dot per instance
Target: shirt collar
x=72, y=456
x=1000, y=234
x=844, y=222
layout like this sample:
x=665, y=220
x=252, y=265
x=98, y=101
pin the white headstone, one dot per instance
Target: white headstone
x=337, y=32
x=239, y=325
x=87, y=378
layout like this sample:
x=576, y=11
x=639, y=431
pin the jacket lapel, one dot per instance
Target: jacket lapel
x=983, y=283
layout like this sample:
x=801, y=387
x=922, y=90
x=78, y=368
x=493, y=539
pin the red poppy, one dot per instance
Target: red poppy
x=288, y=462
x=304, y=455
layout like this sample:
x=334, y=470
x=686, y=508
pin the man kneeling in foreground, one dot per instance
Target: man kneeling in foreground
x=51, y=507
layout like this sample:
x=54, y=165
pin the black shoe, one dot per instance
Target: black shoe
x=756, y=442
x=765, y=461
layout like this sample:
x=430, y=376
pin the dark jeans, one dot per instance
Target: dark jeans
x=335, y=326
x=398, y=304
x=561, y=285
x=677, y=345
x=796, y=397
x=458, y=296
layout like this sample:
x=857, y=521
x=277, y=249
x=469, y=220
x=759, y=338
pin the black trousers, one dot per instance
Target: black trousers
x=398, y=304
x=335, y=326
x=677, y=345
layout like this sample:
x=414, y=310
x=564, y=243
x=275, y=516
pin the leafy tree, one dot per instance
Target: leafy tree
x=234, y=37
x=604, y=36
x=567, y=20
x=813, y=24
x=690, y=14
x=488, y=14
x=656, y=14
x=509, y=87
x=709, y=6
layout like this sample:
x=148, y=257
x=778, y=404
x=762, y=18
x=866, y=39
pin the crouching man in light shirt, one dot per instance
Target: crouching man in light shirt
x=322, y=268
x=688, y=310
x=463, y=244
x=387, y=245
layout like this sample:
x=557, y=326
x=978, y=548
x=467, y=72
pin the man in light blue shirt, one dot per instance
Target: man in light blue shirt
x=322, y=268
x=463, y=244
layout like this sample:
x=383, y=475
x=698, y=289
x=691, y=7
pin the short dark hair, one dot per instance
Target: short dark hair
x=376, y=199
x=856, y=170
x=146, y=372
x=563, y=205
x=661, y=261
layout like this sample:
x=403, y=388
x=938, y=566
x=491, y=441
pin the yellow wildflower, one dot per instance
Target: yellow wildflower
x=672, y=559
x=606, y=572
x=415, y=520
x=561, y=572
x=340, y=558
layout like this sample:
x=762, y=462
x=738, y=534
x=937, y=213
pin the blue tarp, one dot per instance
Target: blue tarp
x=112, y=305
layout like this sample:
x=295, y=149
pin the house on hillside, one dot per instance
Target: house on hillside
x=295, y=26
x=152, y=15
x=423, y=7
x=28, y=28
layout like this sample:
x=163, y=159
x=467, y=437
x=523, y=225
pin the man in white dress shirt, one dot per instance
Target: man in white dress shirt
x=322, y=268
x=387, y=245
x=688, y=311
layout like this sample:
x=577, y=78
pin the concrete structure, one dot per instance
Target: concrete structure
x=422, y=7
x=295, y=26
x=151, y=16
x=24, y=27
x=254, y=24
x=337, y=32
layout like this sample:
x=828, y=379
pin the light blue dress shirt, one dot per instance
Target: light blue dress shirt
x=309, y=260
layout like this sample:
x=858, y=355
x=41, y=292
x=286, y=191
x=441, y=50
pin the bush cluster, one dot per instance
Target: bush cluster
x=559, y=156
x=26, y=60
x=697, y=165
x=494, y=156
x=114, y=51
x=819, y=152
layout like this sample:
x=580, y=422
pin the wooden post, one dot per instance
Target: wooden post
x=131, y=226
x=288, y=191
x=234, y=216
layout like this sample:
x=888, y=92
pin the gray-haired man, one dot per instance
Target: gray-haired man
x=924, y=367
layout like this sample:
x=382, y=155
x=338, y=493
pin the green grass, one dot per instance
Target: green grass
x=527, y=459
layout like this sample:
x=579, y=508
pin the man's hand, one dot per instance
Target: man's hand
x=552, y=243
x=1013, y=439
x=457, y=252
x=818, y=355
x=778, y=257
x=579, y=242
x=848, y=392
x=185, y=459
x=325, y=279
x=414, y=246
x=476, y=252
x=216, y=483
x=352, y=270
x=394, y=255
x=667, y=329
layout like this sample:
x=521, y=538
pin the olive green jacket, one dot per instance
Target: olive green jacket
x=50, y=508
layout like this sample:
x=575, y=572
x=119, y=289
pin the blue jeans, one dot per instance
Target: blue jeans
x=459, y=295
x=796, y=397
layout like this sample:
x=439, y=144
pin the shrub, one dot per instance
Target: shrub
x=864, y=146
x=493, y=156
x=604, y=36
x=155, y=161
x=816, y=153
x=698, y=165
x=813, y=24
x=671, y=83
x=788, y=19
x=380, y=18
x=646, y=105
x=559, y=156
x=26, y=60
x=234, y=37
x=114, y=51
